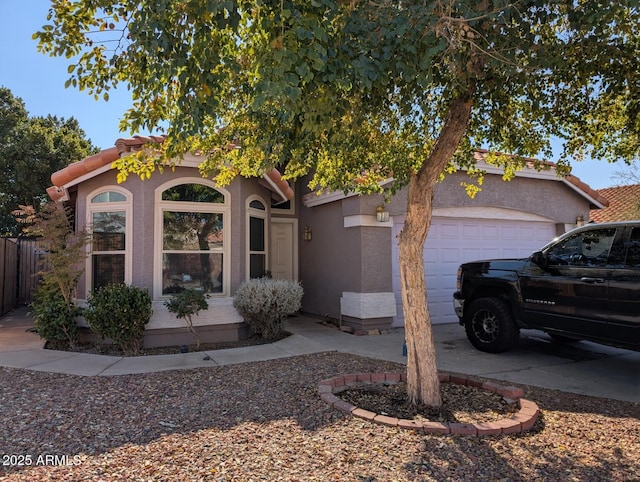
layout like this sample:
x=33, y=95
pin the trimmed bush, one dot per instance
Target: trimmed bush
x=186, y=304
x=120, y=312
x=264, y=303
x=55, y=318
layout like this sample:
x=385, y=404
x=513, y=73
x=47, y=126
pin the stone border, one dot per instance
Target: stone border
x=521, y=421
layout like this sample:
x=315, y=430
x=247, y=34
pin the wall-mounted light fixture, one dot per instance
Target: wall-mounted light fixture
x=382, y=216
x=580, y=220
x=307, y=233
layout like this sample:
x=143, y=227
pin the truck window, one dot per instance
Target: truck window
x=586, y=248
x=633, y=249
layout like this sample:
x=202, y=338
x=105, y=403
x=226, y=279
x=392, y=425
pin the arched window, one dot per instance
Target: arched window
x=109, y=221
x=193, y=240
x=256, y=238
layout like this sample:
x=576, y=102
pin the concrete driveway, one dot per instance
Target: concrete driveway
x=578, y=367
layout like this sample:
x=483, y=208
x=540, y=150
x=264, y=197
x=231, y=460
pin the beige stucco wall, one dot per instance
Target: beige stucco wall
x=339, y=259
x=547, y=198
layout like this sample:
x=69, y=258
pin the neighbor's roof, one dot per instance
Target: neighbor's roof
x=94, y=165
x=624, y=204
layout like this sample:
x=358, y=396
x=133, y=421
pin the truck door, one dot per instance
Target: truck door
x=624, y=294
x=570, y=293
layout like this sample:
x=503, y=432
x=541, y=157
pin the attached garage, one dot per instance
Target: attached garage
x=349, y=257
x=480, y=234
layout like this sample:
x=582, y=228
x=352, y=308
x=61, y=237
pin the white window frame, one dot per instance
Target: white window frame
x=160, y=206
x=256, y=213
x=127, y=207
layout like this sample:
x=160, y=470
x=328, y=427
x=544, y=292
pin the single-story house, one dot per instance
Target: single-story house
x=624, y=204
x=178, y=230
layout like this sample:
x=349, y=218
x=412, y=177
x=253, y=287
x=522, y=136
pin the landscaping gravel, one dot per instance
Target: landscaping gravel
x=265, y=421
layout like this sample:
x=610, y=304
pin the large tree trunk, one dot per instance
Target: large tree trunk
x=423, y=385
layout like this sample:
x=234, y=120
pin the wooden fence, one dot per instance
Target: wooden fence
x=19, y=263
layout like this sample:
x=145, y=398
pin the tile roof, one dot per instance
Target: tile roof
x=273, y=178
x=124, y=146
x=624, y=204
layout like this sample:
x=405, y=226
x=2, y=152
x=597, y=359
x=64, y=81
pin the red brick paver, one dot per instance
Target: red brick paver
x=521, y=421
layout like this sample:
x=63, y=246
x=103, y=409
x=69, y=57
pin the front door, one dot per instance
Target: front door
x=284, y=249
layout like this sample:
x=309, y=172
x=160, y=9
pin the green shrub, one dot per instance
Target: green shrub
x=120, y=312
x=55, y=318
x=54, y=310
x=185, y=304
x=264, y=303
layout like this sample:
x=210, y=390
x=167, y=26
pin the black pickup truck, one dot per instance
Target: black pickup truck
x=584, y=285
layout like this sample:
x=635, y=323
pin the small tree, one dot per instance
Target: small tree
x=186, y=304
x=62, y=265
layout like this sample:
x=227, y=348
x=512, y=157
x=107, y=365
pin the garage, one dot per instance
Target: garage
x=455, y=240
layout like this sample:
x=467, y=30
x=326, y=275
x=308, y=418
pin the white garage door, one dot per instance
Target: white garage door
x=452, y=241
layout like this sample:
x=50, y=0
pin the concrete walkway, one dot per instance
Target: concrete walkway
x=584, y=367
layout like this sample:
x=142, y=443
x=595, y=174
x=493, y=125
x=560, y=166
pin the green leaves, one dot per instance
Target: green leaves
x=120, y=312
x=288, y=79
x=31, y=149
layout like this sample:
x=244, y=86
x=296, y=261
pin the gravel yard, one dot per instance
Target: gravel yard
x=265, y=421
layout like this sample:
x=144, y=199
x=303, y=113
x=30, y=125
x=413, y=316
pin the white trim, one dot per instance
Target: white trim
x=368, y=305
x=127, y=207
x=369, y=220
x=274, y=187
x=261, y=214
x=160, y=205
x=294, y=223
x=481, y=212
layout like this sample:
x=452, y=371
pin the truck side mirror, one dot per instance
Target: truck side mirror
x=539, y=259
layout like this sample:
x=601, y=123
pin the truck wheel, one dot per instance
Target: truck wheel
x=490, y=325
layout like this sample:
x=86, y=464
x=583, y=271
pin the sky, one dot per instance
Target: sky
x=39, y=81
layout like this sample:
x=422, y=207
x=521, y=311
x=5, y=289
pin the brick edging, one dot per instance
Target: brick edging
x=521, y=421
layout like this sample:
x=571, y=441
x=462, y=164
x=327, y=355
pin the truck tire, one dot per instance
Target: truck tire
x=490, y=325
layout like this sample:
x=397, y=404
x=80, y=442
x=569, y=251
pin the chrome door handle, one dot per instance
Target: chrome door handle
x=592, y=280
